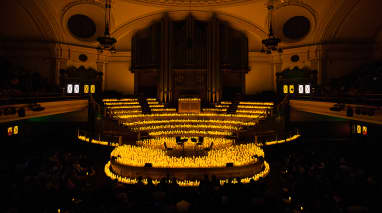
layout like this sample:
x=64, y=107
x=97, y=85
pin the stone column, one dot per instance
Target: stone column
x=101, y=67
x=276, y=68
x=58, y=64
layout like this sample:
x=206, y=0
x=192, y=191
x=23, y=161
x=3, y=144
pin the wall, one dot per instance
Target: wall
x=17, y=24
x=32, y=57
x=341, y=59
x=260, y=77
x=118, y=76
x=378, y=46
x=73, y=53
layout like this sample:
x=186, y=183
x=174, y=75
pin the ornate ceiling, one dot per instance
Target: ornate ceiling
x=326, y=20
x=191, y=3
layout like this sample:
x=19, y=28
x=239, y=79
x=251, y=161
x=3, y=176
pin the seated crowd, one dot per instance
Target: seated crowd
x=334, y=183
x=74, y=181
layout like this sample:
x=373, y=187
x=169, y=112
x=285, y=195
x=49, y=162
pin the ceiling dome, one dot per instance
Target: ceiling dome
x=190, y=3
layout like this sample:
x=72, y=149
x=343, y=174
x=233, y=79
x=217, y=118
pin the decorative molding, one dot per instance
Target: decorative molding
x=191, y=3
x=67, y=7
x=131, y=26
x=323, y=108
x=51, y=108
x=337, y=18
x=100, y=7
x=43, y=19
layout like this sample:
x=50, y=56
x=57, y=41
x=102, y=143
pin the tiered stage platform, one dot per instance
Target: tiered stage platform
x=173, y=142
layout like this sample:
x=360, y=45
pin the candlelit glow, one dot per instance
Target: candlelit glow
x=188, y=99
x=190, y=115
x=151, y=99
x=184, y=183
x=120, y=103
x=97, y=141
x=292, y=138
x=117, y=108
x=186, y=126
x=120, y=100
x=163, y=150
x=189, y=132
x=253, y=107
x=159, y=143
x=240, y=155
x=185, y=121
x=256, y=103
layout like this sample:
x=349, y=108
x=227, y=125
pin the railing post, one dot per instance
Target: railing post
x=120, y=140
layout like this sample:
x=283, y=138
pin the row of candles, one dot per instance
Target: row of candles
x=239, y=155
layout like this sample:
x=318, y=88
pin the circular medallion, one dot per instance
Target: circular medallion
x=81, y=26
x=296, y=28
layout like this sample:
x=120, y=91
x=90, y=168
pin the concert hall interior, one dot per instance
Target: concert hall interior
x=190, y=105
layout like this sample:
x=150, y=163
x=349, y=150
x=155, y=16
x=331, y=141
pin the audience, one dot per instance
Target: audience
x=73, y=181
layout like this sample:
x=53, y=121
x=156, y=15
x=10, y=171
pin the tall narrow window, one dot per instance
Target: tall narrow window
x=286, y=89
x=291, y=89
x=307, y=89
x=69, y=89
x=301, y=89
x=359, y=129
x=16, y=130
x=364, y=130
x=92, y=88
x=86, y=89
x=76, y=88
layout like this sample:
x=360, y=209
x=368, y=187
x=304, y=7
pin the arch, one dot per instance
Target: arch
x=348, y=20
x=45, y=21
x=191, y=3
x=126, y=30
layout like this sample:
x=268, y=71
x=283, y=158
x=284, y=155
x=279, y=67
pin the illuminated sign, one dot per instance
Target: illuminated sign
x=286, y=89
x=301, y=89
x=76, y=88
x=92, y=88
x=86, y=89
x=16, y=130
x=359, y=130
x=307, y=89
x=69, y=88
x=364, y=130
x=10, y=131
x=291, y=89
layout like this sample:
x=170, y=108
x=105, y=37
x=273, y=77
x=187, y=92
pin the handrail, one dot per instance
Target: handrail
x=277, y=138
x=106, y=140
x=31, y=100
